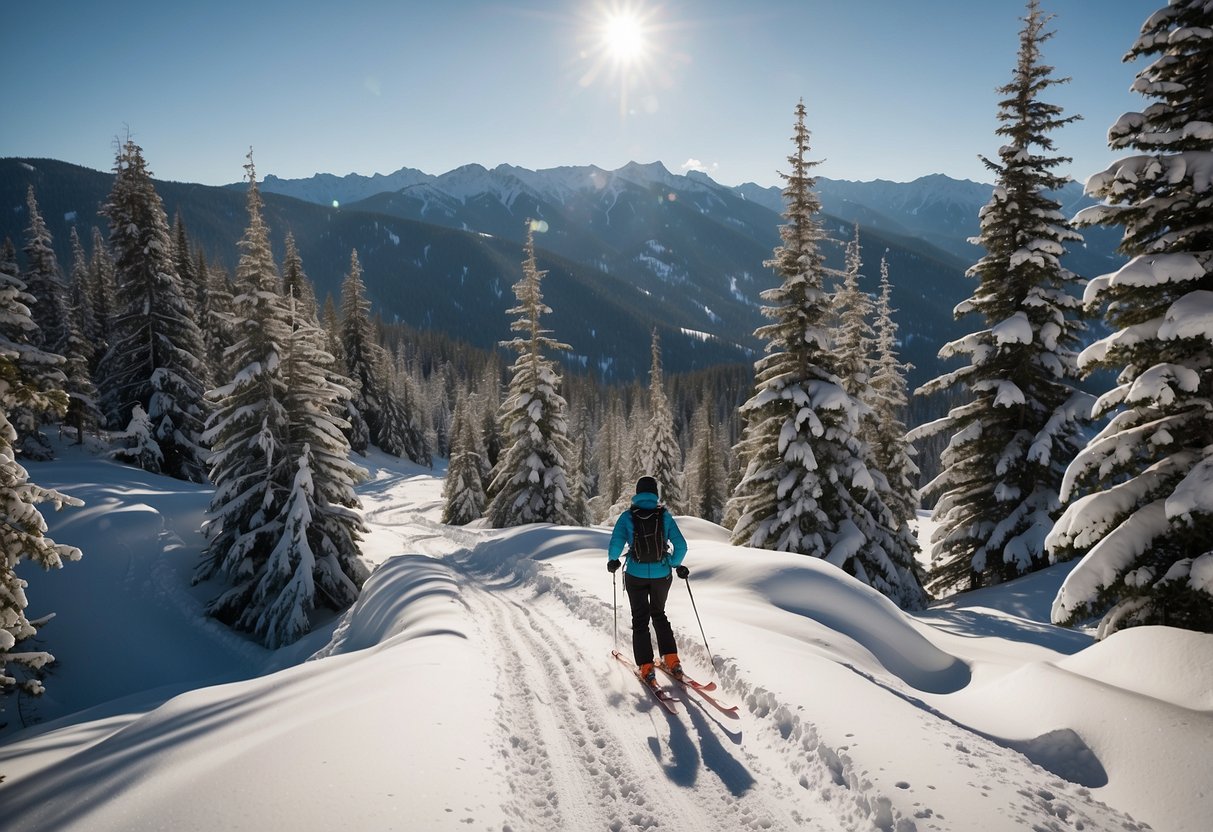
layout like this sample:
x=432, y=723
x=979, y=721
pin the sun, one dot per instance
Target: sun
x=623, y=36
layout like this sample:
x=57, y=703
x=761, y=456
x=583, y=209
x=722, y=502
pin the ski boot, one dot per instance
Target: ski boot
x=672, y=665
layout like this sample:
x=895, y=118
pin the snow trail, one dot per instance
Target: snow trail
x=587, y=748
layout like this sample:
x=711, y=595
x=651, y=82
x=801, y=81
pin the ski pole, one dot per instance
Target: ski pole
x=615, y=607
x=711, y=658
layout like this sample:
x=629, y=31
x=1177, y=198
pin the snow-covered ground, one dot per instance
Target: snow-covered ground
x=472, y=687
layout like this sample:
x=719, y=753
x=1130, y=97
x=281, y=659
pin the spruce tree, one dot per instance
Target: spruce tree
x=891, y=451
x=101, y=296
x=295, y=282
x=153, y=358
x=285, y=529
x=806, y=487
x=658, y=453
x=853, y=341
x=248, y=428
x=463, y=491
x=1144, y=529
x=1018, y=423
x=361, y=351
x=706, y=469
x=23, y=533
x=44, y=280
x=531, y=483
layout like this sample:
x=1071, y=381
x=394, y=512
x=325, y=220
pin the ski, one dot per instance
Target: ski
x=702, y=690
x=662, y=695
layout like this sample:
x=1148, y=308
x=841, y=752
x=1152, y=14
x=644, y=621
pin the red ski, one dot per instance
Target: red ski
x=702, y=689
x=662, y=695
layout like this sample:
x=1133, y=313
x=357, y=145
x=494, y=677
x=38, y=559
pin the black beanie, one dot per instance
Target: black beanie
x=646, y=485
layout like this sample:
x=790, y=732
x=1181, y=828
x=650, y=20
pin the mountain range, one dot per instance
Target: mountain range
x=626, y=251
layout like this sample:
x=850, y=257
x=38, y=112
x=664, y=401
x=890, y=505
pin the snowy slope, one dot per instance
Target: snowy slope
x=471, y=688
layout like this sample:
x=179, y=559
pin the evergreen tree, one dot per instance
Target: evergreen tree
x=853, y=341
x=530, y=482
x=583, y=466
x=248, y=428
x=463, y=491
x=1144, y=529
x=891, y=451
x=1018, y=425
x=193, y=281
x=361, y=350
x=219, y=330
x=295, y=282
x=80, y=301
x=153, y=359
x=44, y=281
x=659, y=454
x=139, y=447
x=706, y=470
x=806, y=487
x=23, y=533
x=284, y=530
x=101, y=296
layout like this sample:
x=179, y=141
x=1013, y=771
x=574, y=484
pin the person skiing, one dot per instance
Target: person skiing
x=649, y=531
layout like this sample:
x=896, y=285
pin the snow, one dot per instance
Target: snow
x=470, y=687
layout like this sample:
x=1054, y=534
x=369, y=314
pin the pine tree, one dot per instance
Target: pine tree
x=153, y=358
x=1018, y=424
x=248, y=428
x=1143, y=531
x=361, y=350
x=530, y=482
x=891, y=451
x=23, y=533
x=806, y=487
x=463, y=491
x=138, y=444
x=193, y=281
x=285, y=527
x=219, y=331
x=659, y=454
x=295, y=282
x=853, y=341
x=101, y=296
x=706, y=469
x=44, y=280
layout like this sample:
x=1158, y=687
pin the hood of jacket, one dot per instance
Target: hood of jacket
x=646, y=500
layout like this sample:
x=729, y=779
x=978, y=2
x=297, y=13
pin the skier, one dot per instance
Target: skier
x=648, y=530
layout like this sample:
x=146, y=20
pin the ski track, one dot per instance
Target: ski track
x=586, y=748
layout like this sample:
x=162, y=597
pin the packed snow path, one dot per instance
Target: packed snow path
x=586, y=748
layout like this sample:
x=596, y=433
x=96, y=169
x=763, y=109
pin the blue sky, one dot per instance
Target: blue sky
x=894, y=89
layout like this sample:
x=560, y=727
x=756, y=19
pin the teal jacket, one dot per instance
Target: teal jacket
x=621, y=537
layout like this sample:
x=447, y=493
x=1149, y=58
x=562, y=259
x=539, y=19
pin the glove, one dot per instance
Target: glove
x=613, y=566
x=682, y=571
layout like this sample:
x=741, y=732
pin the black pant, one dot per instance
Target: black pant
x=647, y=597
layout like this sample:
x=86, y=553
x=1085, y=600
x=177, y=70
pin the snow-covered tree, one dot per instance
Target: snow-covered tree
x=219, y=326
x=138, y=444
x=361, y=350
x=853, y=340
x=23, y=532
x=463, y=492
x=101, y=295
x=890, y=450
x=1019, y=422
x=248, y=428
x=193, y=279
x=44, y=280
x=154, y=358
x=295, y=282
x=530, y=482
x=284, y=529
x=658, y=453
x=1144, y=527
x=806, y=487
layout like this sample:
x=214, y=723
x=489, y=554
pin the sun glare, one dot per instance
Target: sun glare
x=623, y=36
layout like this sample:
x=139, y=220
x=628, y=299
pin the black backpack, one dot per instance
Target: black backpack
x=648, y=535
